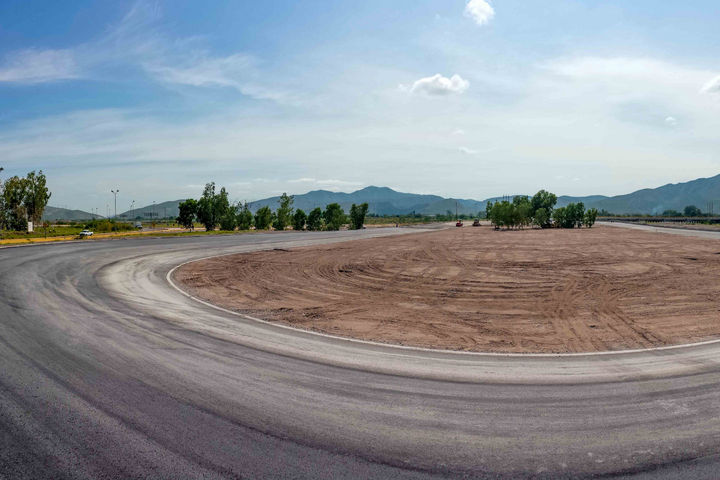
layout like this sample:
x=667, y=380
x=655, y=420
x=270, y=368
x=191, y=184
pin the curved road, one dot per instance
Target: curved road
x=108, y=371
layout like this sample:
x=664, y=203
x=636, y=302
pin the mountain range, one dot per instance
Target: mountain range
x=386, y=201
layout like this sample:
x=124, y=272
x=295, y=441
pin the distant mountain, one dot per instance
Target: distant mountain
x=53, y=214
x=386, y=201
x=673, y=196
x=161, y=210
x=381, y=201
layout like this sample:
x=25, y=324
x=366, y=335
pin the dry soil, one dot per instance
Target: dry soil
x=477, y=289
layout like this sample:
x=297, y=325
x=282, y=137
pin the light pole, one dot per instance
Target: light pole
x=132, y=210
x=115, y=192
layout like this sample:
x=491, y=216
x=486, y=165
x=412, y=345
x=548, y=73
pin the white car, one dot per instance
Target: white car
x=86, y=233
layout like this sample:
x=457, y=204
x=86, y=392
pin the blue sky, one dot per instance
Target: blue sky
x=459, y=98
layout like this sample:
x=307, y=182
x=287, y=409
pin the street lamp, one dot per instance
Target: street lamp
x=115, y=192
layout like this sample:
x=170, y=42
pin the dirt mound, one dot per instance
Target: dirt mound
x=481, y=290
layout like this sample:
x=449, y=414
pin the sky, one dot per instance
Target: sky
x=468, y=99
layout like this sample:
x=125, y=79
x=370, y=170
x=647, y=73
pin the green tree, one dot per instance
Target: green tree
x=299, y=220
x=521, y=211
x=357, y=215
x=283, y=215
x=315, y=220
x=206, y=213
x=559, y=217
x=188, y=211
x=14, y=194
x=244, y=217
x=590, y=217
x=334, y=216
x=692, y=211
x=545, y=200
x=263, y=218
x=541, y=218
x=36, y=196
x=221, y=206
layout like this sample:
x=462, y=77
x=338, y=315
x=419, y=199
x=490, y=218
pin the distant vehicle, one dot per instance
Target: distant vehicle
x=138, y=225
x=459, y=223
x=86, y=233
x=476, y=223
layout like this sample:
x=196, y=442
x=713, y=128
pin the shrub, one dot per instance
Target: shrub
x=299, y=220
x=315, y=220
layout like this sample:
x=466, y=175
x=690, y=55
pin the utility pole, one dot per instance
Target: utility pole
x=132, y=210
x=115, y=192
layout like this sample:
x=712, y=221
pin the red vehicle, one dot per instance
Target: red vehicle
x=459, y=223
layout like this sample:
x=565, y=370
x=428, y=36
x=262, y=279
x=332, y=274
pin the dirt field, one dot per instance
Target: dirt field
x=476, y=289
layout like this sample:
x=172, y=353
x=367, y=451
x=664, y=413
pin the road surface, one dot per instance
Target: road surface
x=108, y=371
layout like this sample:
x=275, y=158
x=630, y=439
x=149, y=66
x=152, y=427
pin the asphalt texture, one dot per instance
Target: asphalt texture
x=108, y=371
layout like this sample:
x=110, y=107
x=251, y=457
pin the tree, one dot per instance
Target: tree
x=590, y=217
x=263, y=218
x=315, y=220
x=541, y=218
x=692, y=211
x=671, y=213
x=357, y=216
x=521, y=211
x=221, y=206
x=206, y=207
x=36, y=196
x=228, y=220
x=14, y=195
x=334, y=216
x=559, y=217
x=283, y=215
x=299, y=220
x=188, y=211
x=244, y=217
x=543, y=200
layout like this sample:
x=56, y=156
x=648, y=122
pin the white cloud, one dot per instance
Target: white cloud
x=671, y=121
x=480, y=11
x=39, y=66
x=437, y=85
x=458, y=131
x=713, y=86
x=467, y=151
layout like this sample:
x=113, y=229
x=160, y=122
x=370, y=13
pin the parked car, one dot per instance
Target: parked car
x=86, y=233
x=138, y=225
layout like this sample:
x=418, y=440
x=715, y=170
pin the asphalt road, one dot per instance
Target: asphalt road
x=107, y=371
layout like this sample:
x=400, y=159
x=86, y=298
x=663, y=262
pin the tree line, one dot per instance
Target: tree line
x=539, y=211
x=23, y=199
x=214, y=210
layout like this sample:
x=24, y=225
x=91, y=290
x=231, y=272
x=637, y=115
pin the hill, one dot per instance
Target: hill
x=381, y=201
x=53, y=214
x=386, y=201
x=167, y=209
x=673, y=196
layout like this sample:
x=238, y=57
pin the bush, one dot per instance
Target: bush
x=315, y=220
x=263, y=218
x=228, y=221
x=106, y=225
x=244, y=217
x=357, y=216
x=299, y=220
x=334, y=216
x=590, y=217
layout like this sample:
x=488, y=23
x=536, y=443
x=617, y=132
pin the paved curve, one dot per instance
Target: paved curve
x=107, y=371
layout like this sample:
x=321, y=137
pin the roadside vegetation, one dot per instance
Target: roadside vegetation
x=23, y=200
x=539, y=211
x=215, y=212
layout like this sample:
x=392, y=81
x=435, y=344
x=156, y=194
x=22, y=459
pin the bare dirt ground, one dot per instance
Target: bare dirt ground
x=482, y=290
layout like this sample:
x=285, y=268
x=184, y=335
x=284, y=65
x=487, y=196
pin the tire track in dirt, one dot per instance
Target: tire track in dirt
x=483, y=290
